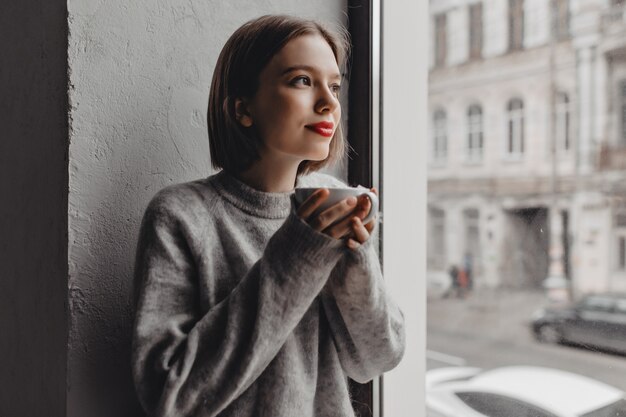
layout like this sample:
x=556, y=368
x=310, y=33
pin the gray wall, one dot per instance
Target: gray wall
x=33, y=208
x=139, y=79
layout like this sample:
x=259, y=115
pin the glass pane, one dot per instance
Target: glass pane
x=526, y=232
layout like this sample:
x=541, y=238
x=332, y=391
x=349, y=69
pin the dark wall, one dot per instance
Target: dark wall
x=33, y=208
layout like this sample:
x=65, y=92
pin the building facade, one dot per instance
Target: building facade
x=527, y=142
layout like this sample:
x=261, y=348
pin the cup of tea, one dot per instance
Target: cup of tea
x=338, y=194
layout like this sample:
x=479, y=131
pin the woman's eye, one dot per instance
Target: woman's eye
x=335, y=88
x=302, y=80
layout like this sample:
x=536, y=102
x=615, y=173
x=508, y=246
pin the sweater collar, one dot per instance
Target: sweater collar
x=253, y=201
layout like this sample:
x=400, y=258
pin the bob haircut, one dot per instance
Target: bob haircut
x=246, y=53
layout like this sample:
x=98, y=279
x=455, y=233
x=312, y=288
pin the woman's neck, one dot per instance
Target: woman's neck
x=270, y=177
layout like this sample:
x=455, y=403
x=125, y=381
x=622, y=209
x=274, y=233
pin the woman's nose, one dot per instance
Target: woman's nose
x=327, y=102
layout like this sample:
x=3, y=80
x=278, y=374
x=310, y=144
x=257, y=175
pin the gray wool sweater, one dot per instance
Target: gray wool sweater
x=242, y=309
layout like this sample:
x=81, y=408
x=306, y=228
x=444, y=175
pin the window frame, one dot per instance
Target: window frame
x=364, y=17
x=405, y=116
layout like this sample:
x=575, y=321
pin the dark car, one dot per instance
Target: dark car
x=597, y=320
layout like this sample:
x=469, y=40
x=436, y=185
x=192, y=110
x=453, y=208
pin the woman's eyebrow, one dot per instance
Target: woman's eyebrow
x=307, y=68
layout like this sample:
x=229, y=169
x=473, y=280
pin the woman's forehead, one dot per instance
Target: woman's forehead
x=308, y=52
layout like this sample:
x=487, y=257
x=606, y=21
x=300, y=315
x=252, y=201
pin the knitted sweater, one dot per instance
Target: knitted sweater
x=243, y=309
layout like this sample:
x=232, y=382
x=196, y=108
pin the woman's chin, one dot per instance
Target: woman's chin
x=319, y=154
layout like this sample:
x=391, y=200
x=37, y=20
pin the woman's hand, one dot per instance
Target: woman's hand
x=361, y=232
x=323, y=222
x=349, y=209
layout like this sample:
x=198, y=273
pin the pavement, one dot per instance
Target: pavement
x=499, y=312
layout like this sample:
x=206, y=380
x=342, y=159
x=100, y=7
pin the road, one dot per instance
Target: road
x=491, y=330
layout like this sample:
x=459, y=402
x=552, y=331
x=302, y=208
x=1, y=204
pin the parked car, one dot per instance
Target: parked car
x=597, y=320
x=519, y=391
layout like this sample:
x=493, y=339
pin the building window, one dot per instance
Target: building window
x=440, y=136
x=622, y=111
x=440, y=40
x=516, y=24
x=476, y=30
x=621, y=257
x=436, y=247
x=620, y=229
x=474, y=133
x=472, y=252
x=515, y=118
x=560, y=19
x=563, y=117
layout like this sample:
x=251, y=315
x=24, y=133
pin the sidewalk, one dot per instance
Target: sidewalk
x=501, y=313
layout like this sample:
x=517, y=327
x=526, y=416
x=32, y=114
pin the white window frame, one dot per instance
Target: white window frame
x=404, y=99
x=475, y=134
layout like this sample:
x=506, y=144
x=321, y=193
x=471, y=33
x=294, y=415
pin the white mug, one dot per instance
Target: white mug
x=338, y=194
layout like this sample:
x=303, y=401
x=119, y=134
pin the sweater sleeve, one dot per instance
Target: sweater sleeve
x=367, y=325
x=186, y=363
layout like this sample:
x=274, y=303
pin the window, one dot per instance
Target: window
x=472, y=250
x=597, y=303
x=476, y=30
x=515, y=134
x=436, y=249
x=440, y=40
x=534, y=236
x=622, y=112
x=440, y=139
x=474, y=133
x=620, y=231
x=562, y=121
x=621, y=262
x=560, y=19
x=516, y=24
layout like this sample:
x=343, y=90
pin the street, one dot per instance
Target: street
x=491, y=329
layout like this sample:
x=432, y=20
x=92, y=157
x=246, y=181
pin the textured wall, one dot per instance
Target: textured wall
x=33, y=208
x=139, y=80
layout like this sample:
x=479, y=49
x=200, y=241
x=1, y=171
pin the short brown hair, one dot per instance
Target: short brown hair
x=243, y=57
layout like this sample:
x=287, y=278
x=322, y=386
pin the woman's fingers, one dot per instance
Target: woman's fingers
x=339, y=221
x=340, y=229
x=333, y=214
x=361, y=234
x=353, y=244
x=364, y=207
x=312, y=203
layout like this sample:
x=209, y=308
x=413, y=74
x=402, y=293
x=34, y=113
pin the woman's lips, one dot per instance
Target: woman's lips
x=323, y=128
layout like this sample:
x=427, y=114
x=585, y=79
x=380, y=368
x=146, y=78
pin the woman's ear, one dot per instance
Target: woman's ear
x=242, y=113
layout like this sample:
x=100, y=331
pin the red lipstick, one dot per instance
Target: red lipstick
x=323, y=128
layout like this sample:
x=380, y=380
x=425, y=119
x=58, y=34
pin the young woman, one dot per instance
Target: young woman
x=246, y=304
